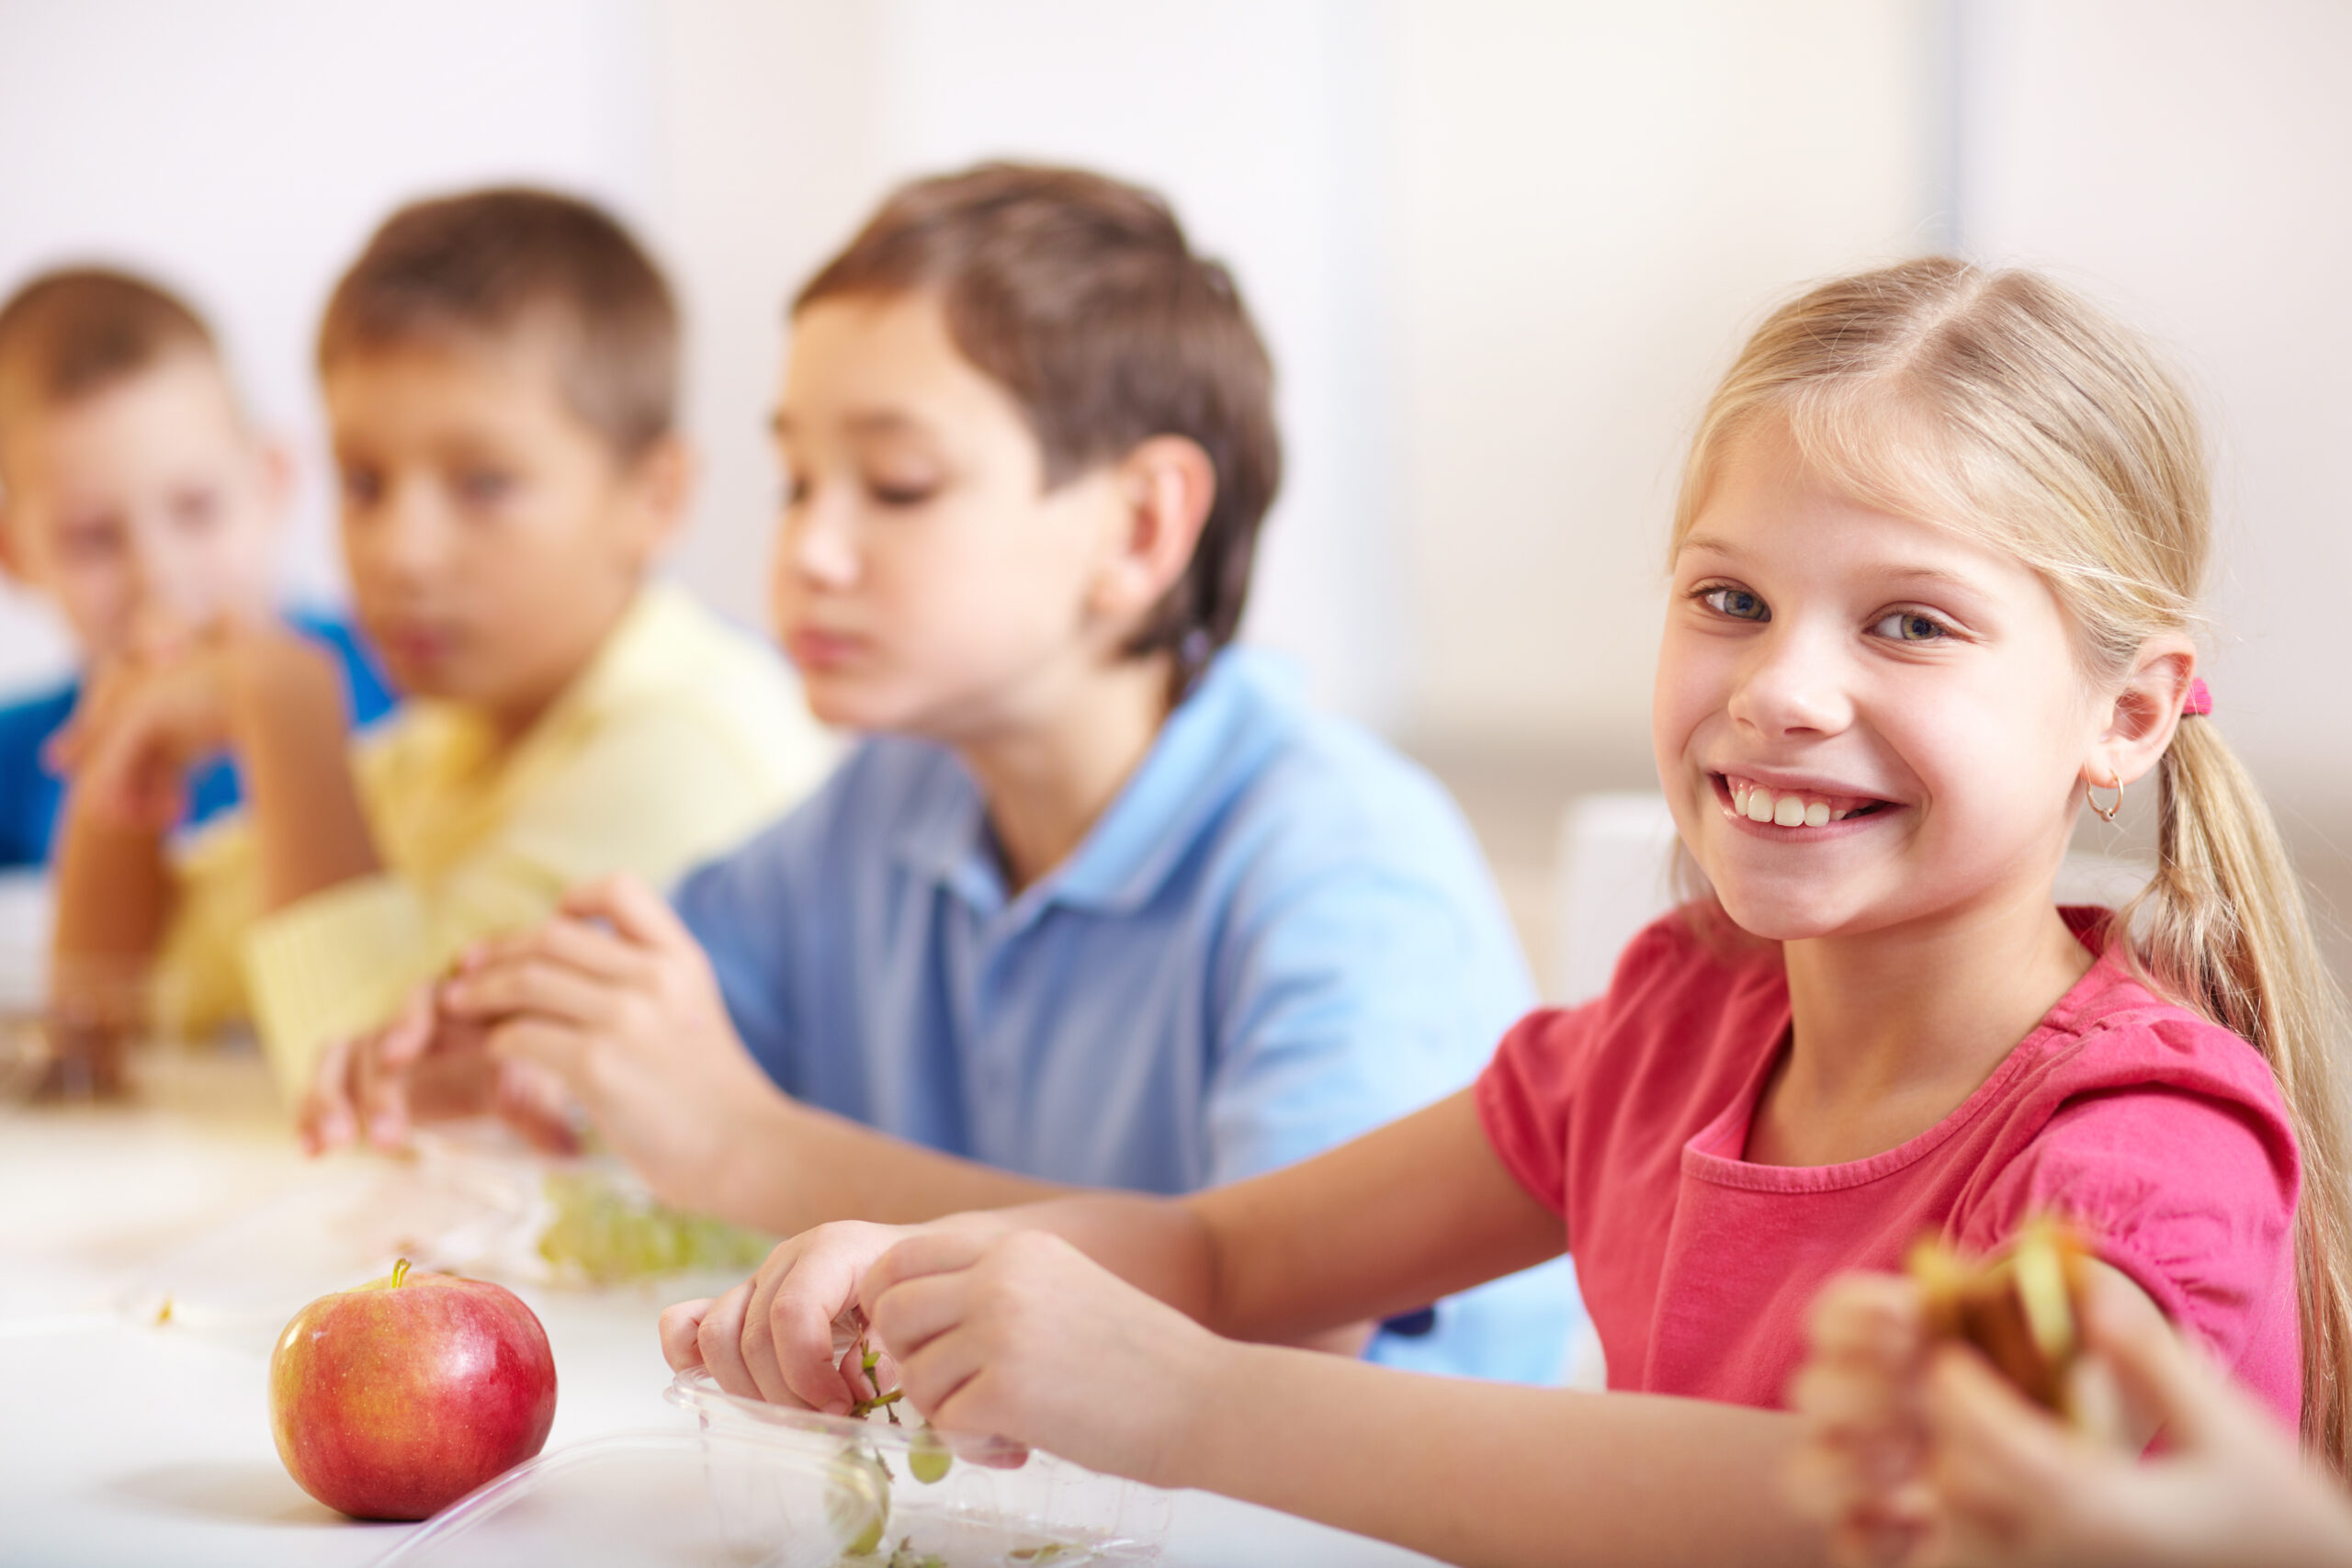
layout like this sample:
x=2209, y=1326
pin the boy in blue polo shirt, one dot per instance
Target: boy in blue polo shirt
x=136, y=498
x=1101, y=901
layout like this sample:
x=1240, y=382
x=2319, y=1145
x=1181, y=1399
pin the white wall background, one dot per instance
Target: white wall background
x=1501, y=246
x=243, y=150
x=2192, y=164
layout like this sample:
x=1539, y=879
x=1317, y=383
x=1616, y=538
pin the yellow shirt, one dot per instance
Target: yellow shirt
x=681, y=736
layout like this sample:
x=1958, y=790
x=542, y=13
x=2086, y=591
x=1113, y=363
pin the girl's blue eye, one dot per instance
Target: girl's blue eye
x=1909, y=626
x=1737, y=603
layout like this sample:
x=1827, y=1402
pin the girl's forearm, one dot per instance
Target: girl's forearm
x=1476, y=1472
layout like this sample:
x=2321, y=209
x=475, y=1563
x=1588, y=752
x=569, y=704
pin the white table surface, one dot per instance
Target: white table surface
x=126, y=1441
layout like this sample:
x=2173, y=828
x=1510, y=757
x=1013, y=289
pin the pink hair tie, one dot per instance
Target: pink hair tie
x=2198, y=701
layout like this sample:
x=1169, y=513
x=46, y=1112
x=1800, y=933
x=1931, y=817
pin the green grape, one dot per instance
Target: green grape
x=603, y=1236
x=928, y=1458
x=857, y=1499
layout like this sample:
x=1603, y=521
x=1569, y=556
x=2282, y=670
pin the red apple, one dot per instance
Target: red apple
x=395, y=1399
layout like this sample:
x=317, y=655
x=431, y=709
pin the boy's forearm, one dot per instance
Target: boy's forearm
x=292, y=740
x=114, y=897
x=1480, y=1472
x=790, y=1166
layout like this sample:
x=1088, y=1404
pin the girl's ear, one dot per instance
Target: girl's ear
x=2144, y=713
x=1165, y=487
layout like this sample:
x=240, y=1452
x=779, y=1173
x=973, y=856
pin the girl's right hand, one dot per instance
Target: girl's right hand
x=772, y=1336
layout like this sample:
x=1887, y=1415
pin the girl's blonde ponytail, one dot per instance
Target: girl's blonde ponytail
x=2224, y=927
x=2004, y=406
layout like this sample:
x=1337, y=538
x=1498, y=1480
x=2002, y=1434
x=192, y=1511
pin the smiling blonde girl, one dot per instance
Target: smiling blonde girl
x=1933, y=579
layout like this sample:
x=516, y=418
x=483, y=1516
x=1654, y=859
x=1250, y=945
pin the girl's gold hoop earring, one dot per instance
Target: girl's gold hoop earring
x=2090, y=793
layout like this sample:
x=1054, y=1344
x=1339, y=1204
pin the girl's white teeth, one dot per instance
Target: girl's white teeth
x=1760, y=805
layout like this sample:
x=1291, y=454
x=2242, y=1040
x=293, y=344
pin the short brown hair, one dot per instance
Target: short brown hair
x=493, y=264
x=1083, y=297
x=79, y=329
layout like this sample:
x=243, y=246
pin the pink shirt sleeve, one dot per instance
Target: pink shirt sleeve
x=1524, y=1094
x=2190, y=1194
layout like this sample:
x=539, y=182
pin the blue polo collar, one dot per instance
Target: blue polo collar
x=1246, y=705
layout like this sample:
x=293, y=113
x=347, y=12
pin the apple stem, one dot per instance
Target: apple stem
x=399, y=1273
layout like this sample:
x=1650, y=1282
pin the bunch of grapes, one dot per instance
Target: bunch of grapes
x=602, y=1235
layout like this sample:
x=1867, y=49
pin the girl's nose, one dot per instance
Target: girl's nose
x=1790, y=685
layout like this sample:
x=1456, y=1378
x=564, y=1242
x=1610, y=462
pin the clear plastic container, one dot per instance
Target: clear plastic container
x=782, y=1490
x=645, y=1500
x=994, y=1508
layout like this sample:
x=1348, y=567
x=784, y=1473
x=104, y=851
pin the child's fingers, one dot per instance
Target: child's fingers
x=585, y=945
x=529, y=983
x=534, y=1102
x=379, y=1068
x=802, y=1293
x=938, y=1251
x=719, y=1342
x=635, y=910
x=1994, y=1452
x=1872, y=1317
x=681, y=1330
x=561, y=1048
x=1842, y=1397
x=325, y=1119
x=912, y=1312
x=940, y=1380
x=2160, y=1375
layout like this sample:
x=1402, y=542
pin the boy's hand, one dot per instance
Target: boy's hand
x=421, y=1067
x=177, y=697
x=614, y=999
x=145, y=718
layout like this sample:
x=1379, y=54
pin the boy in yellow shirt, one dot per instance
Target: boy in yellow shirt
x=500, y=372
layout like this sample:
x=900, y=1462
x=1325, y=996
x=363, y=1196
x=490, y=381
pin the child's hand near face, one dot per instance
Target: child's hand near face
x=1926, y=1456
x=179, y=694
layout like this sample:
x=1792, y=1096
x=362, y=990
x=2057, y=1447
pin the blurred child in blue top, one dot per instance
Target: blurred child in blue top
x=139, y=501
x=1100, y=902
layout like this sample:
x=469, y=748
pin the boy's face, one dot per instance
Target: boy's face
x=145, y=502
x=926, y=581
x=492, y=537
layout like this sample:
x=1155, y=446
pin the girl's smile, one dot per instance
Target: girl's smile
x=1795, y=808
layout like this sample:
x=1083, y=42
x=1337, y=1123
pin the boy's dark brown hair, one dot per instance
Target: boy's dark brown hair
x=496, y=264
x=77, y=331
x=1083, y=297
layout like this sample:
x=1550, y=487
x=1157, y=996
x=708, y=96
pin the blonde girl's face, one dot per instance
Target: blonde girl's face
x=1861, y=721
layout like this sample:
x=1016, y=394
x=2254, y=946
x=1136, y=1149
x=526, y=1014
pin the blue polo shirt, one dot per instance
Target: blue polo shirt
x=30, y=793
x=1280, y=935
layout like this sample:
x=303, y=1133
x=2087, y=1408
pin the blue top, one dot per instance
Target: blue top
x=1281, y=934
x=29, y=793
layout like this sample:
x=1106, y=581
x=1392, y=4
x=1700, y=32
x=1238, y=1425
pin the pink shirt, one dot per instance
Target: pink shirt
x=2160, y=1135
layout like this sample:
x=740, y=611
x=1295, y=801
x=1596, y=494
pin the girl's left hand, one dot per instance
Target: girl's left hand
x=1018, y=1334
